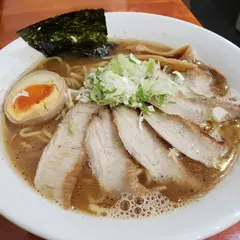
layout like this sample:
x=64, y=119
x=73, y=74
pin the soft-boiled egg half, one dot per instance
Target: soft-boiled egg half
x=35, y=98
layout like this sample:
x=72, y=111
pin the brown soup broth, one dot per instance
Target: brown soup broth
x=25, y=152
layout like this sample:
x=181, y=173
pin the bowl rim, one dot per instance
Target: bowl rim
x=209, y=230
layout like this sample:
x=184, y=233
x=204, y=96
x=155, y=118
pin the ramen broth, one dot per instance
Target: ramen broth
x=25, y=152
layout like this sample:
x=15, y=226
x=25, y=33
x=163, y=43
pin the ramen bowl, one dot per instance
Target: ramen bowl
x=212, y=213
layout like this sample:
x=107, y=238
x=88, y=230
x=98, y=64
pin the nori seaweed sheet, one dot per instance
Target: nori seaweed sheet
x=83, y=33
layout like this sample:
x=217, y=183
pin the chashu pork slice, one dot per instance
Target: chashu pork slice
x=109, y=160
x=149, y=150
x=196, y=83
x=62, y=159
x=187, y=138
x=198, y=110
x=187, y=108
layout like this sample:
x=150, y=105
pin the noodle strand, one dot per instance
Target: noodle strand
x=91, y=199
x=13, y=136
x=28, y=132
x=75, y=75
x=72, y=82
x=46, y=132
x=96, y=209
x=52, y=58
x=44, y=139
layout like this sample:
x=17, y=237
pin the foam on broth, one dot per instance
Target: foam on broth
x=26, y=152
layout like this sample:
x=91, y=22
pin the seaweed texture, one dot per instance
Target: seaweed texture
x=82, y=33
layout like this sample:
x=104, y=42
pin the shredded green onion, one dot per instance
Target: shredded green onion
x=71, y=127
x=150, y=65
x=160, y=100
x=129, y=81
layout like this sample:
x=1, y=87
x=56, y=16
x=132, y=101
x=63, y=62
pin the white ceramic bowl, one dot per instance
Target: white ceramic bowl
x=216, y=211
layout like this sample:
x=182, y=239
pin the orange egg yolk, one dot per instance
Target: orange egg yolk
x=37, y=93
